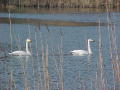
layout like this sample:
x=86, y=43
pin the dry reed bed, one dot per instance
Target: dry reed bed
x=61, y=3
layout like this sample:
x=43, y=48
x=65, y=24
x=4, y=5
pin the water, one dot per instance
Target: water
x=79, y=73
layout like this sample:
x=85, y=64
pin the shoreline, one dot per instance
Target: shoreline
x=56, y=10
x=49, y=22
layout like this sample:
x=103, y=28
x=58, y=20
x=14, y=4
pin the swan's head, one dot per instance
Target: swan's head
x=90, y=40
x=28, y=40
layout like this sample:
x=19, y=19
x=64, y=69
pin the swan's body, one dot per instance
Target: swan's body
x=83, y=52
x=79, y=52
x=22, y=53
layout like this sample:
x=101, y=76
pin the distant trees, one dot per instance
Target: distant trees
x=63, y=3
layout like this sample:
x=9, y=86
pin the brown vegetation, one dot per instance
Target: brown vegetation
x=61, y=3
x=52, y=22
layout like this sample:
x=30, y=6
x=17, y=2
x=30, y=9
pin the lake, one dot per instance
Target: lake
x=54, y=35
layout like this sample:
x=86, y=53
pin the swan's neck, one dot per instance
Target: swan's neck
x=89, y=48
x=27, y=50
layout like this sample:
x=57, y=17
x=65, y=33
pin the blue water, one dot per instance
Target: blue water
x=79, y=73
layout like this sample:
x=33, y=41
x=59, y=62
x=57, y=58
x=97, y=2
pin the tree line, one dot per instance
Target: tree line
x=61, y=3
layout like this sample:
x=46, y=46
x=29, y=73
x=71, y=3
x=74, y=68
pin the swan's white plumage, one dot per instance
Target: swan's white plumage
x=83, y=52
x=79, y=52
x=22, y=53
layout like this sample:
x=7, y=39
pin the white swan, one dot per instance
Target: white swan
x=22, y=53
x=83, y=52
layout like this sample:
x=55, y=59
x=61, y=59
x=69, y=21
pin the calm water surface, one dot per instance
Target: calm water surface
x=79, y=73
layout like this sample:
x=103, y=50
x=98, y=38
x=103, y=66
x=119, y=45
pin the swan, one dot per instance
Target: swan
x=83, y=52
x=22, y=53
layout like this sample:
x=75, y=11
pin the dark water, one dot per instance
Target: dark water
x=79, y=73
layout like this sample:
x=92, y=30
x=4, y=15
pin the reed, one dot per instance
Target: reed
x=38, y=78
x=61, y=61
x=58, y=59
x=10, y=29
x=60, y=3
x=113, y=48
x=45, y=67
x=102, y=85
x=11, y=82
x=39, y=84
x=45, y=60
x=114, y=53
x=18, y=42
